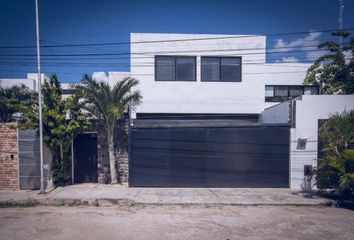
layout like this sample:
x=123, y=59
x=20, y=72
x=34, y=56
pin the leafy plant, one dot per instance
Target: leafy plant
x=336, y=168
x=15, y=100
x=107, y=105
x=62, y=119
x=334, y=71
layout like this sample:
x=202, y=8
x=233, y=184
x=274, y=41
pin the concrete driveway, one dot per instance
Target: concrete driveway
x=234, y=196
x=177, y=222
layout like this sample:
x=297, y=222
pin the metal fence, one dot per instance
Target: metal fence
x=29, y=161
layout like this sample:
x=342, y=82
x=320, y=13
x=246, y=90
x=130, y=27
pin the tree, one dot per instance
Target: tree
x=336, y=168
x=16, y=99
x=107, y=105
x=62, y=118
x=334, y=71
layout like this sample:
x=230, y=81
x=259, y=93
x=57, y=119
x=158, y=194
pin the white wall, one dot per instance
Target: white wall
x=114, y=77
x=208, y=97
x=34, y=77
x=30, y=82
x=9, y=82
x=276, y=114
x=308, y=111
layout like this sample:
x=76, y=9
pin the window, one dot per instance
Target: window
x=311, y=90
x=221, y=69
x=175, y=68
x=269, y=91
x=280, y=93
x=295, y=91
x=68, y=91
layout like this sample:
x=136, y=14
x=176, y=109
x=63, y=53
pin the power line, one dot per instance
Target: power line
x=142, y=74
x=178, y=40
x=273, y=50
x=152, y=64
x=163, y=52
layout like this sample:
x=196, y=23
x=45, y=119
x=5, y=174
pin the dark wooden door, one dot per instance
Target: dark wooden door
x=85, y=158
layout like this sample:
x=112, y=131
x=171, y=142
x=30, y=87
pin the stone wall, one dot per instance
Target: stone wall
x=122, y=136
x=121, y=146
x=8, y=157
x=102, y=154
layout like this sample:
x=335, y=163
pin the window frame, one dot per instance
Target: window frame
x=275, y=98
x=220, y=72
x=175, y=67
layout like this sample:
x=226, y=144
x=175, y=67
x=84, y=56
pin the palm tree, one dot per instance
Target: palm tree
x=107, y=105
x=336, y=168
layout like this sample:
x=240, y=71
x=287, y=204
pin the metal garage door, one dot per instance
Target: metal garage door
x=256, y=156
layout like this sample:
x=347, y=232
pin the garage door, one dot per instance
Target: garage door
x=256, y=156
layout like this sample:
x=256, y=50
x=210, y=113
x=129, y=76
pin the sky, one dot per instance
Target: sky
x=64, y=22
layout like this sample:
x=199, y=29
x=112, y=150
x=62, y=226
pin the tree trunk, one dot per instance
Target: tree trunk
x=112, y=160
x=61, y=158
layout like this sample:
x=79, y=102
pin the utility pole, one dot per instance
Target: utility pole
x=340, y=20
x=40, y=101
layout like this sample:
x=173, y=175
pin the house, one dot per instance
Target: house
x=200, y=121
x=215, y=113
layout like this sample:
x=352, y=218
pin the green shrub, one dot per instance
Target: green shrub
x=336, y=168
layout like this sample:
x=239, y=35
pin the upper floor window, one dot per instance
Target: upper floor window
x=68, y=91
x=175, y=68
x=221, y=69
x=280, y=93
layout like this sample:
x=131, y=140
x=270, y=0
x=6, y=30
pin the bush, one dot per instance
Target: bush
x=336, y=168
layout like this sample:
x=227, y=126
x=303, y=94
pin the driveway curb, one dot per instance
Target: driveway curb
x=107, y=202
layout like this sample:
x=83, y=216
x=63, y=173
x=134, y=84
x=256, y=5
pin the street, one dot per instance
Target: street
x=177, y=222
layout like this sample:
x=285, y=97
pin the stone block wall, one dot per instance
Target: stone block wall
x=102, y=154
x=121, y=146
x=8, y=157
x=122, y=138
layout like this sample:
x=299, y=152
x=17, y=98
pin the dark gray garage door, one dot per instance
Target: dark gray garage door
x=209, y=157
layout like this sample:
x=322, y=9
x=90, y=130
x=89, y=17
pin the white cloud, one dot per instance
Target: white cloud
x=307, y=43
x=287, y=59
x=310, y=40
x=100, y=76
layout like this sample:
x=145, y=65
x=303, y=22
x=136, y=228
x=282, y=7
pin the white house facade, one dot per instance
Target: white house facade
x=215, y=113
x=202, y=78
x=204, y=97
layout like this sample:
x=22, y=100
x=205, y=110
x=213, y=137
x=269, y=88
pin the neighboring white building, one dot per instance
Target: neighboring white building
x=31, y=81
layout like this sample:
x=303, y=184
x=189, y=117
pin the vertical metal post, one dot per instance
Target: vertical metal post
x=340, y=20
x=40, y=101
x=72, y=160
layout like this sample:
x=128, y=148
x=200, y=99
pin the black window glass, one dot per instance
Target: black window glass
x=224, y=69
x=185, y=67
x=295, y=91
x=230, y=69
x=311, y=90
x=210, y=69
x=281, y=91
x=165, y=68
x=172, y=68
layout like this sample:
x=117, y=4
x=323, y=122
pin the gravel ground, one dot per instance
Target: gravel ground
x=177, y=222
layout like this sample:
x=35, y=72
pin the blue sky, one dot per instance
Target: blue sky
x=107, y=21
